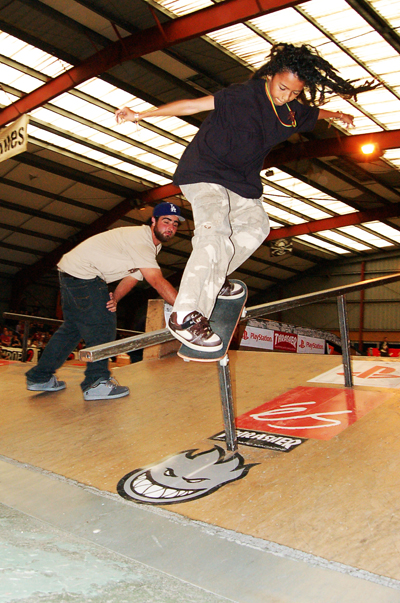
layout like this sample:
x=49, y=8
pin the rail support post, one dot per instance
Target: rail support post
x=345, y=340
x=225, y=386
x=25, y=341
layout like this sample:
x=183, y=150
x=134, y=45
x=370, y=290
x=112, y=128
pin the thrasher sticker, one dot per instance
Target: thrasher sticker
x=261, y=439
x=183, y=477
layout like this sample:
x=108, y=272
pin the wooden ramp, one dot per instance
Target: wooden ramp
x=336, y=498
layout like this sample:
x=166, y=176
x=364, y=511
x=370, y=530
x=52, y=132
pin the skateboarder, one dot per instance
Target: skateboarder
x=127, y=253
x=219, y=172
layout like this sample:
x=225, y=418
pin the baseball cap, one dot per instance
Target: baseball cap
x=167, y=209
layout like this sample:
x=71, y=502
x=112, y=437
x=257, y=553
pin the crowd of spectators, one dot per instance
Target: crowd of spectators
x=38, y=337
x=12, y=336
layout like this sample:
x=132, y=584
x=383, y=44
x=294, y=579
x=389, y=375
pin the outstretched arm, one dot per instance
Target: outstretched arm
x=176, y=108
x=343, y=117
x=155, y=278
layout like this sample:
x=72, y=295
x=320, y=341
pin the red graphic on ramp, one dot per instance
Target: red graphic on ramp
x=312, y=412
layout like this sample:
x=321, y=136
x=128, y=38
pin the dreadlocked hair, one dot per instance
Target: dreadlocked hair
x=319, y=76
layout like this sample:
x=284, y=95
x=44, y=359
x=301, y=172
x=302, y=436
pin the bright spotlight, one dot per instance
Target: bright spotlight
x=368, y=149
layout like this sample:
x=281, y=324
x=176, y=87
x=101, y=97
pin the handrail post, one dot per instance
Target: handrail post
x=25, y=338
x=345, y=339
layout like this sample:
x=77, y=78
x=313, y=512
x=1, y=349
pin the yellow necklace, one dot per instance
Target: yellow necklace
x=291, y=113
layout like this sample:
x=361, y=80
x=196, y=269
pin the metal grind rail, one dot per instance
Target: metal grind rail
x=145, y=340
x=28, y=319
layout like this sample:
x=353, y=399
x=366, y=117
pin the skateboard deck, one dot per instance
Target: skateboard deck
x=223, y=321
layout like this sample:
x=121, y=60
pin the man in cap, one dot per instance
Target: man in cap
x=126, y=254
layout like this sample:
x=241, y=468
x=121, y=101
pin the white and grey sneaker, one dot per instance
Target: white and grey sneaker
x=195, y=332
x=52, y=385
x=230, y=290
x=106, y=389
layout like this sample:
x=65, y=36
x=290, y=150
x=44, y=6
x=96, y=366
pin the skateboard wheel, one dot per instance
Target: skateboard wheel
x=244, y=312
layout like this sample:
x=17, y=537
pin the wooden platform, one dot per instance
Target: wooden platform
x=338, y=499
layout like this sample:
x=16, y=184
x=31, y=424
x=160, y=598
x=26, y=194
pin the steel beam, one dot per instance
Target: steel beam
x=379, y=213
x=331, y=147
x=149, y=40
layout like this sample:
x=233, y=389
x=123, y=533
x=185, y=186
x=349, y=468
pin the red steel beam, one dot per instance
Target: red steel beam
x=360, y=217
x=345, y=145
x=149, y=40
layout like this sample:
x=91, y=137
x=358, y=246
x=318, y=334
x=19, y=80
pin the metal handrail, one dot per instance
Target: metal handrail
x=145, y=340
x=28, y=319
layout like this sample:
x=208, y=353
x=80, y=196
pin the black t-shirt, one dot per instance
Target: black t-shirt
x=231, y=144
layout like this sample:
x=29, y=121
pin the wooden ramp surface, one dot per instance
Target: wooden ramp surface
x=338, y=499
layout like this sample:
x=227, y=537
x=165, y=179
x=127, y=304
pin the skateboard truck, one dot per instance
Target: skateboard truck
x=224, y=320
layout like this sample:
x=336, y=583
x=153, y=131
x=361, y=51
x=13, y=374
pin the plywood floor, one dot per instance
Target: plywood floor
x=337, y=499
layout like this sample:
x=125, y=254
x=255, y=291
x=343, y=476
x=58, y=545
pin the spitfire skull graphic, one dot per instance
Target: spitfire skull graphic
x=183, y=477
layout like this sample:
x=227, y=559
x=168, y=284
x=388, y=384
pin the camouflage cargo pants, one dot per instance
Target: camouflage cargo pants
x=228, y=229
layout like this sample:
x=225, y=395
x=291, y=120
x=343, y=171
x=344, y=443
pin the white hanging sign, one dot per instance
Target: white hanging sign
x=14, y=138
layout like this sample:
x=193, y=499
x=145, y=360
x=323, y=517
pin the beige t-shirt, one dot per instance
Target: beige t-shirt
x=113, y=255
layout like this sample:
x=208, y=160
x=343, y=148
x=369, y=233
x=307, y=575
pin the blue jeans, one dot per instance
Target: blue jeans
x=85, y=317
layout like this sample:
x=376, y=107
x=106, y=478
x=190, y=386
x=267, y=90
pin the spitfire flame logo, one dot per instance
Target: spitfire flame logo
x=183, y=477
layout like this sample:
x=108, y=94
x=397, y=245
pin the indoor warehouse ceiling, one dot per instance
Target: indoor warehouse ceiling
x=68, y=64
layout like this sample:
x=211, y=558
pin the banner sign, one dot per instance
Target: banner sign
x=310, y=345
x=14, y=138
x=33, y=354
x=254, y=337
x=285, y=342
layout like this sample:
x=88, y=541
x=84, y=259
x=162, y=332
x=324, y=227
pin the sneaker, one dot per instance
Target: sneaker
x=230, y=290
x=53, y=385
x=106, y=389
x=195, y=332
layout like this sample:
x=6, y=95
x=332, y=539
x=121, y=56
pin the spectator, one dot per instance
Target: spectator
x=384, y=348
x=5, y=337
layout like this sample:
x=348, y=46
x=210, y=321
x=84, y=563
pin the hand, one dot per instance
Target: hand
x=112, y=304
x=346, y=119
x=126, y=114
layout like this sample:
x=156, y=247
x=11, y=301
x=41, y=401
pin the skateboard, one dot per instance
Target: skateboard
x=223, y=321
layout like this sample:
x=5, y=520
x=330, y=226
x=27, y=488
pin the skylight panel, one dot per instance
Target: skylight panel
x=366, y=236
x=286, y=216
x=184, y=7
x=338, y=238
x=111, y=161
x=101, y=138
x=12, y=44
x=69, y=102
x=243, y=42
x=389, y=11
x=273, y=224
x=393, y=155
x=173, y=124
x=6, y=98
x=123, y=146
x=17, y=79
x=96, y=87
x=289, y=26
x=33, y=57
x=323, y=245
x=44, y=115
x=385, y=230
x=337, y=17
